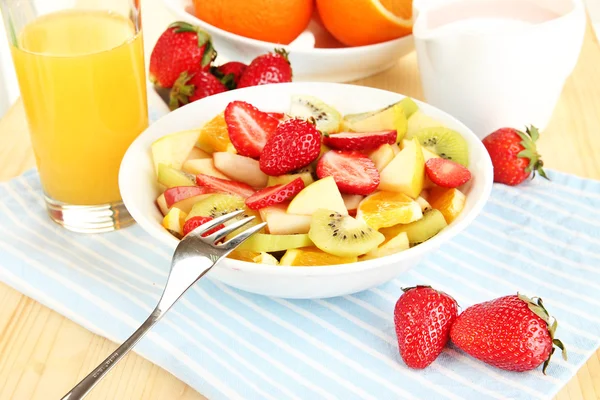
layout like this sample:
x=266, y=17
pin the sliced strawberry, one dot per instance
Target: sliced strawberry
x=248, y=127
x=359, y=140
x=195, y=222
x=353, y=172
x=274, y=194
x=178, y=193
x=224, y=185
x=446, y=173
x=277, y=115
x=295, y=144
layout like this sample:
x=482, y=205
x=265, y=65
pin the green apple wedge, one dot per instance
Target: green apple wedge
x=406, y=172
x=324, y=193
x=174, y=149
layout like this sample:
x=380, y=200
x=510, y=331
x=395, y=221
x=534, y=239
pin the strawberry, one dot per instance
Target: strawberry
x=514, y=155
x=423, y=317
x=274, y=194
x=359, y=140
x=224, y=185
x=295, y=144
x=267, y=68
x=277, y=115
x=353, y=172
x=178, y=193
x=181, y=48
x=189, y=88
x=512, y=333
x=195, y=222
x=446, y=173
x=248, y=127
x=229, y=73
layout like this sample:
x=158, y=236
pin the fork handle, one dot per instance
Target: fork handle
x=87, y=383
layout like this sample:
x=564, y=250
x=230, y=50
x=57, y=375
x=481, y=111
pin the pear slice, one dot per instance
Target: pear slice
x=280, y=222
x=171, y=177
x=263, y=242
x=406, y=172
x=395, y=245
x=324, y=193
x=204, y=166
x=382, y=156
x=174, y=149
x=240, y=168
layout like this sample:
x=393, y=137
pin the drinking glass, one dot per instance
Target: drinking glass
x=80, y=67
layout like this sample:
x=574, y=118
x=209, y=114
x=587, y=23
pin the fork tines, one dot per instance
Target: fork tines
x=213, y=238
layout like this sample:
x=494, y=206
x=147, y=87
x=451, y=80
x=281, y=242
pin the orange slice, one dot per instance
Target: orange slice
x=214, y=136
x=450, y=202
x=384, y=209
x=312, y=256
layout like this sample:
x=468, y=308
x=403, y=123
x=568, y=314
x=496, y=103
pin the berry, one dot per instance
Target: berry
x=446, y=173
x=249, y=128
x=353, y=172
x=189, y=88
x=359, y=140
x=229, y=73
x=224, y=185
x=267, y=68
x=195, y=222
x=274, y=194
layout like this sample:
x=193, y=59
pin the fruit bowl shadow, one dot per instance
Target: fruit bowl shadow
x=139, y=190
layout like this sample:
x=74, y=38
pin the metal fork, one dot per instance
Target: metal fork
x=194, y=256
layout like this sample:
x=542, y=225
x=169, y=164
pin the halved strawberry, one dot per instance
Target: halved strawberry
x=248, y=127
x=195, y=222
x=178, y=193
x=353, y=172
x=277, y=115
x=224, y=185
x=274, y=194
x=359, y=140
x=446, y=173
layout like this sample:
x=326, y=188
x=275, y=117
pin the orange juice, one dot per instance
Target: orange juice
x=82, y=80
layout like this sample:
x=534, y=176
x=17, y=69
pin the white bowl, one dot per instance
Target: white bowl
x=137, y=181
x=341, y=64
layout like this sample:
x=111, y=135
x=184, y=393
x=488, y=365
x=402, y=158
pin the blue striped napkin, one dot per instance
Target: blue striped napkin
x=540, y=239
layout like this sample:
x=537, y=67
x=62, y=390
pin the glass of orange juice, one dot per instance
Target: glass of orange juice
x=80, y=67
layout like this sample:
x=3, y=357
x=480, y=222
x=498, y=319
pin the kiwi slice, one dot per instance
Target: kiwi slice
x=266, y=243
x=327, y=118
x=446, y=143
x=419, y=231
x=171, y=177
x=216, y=205
x=342, y=235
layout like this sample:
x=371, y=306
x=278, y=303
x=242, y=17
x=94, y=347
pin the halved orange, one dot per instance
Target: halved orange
x=450, y=202
x=214, y=136
x=383, y=209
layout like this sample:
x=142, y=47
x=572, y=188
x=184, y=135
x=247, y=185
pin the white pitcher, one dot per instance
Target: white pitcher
x=498, y=63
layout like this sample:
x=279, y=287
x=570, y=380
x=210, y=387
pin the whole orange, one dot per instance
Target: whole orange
x=364, y=22
x=276, y=21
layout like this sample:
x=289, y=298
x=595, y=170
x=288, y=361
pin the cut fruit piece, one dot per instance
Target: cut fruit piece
x=327, y=118
x=179, y=193
x=342, y=235
x=171, y=177
x=382, y=156
x=424, y=204
x=450, y=202
x=408, y=105
x=225, y=186
x=187, y=204
x=214, y=136
x=197, y=154
x=353, y=172
x=243, y=255
x=383, y=209
x=247, y=213
x=351, y=201
x=274, y=194
x=216, y=205
x=265, y=258
x=400, y=123
x=240, y=168
x=174, y=149
x=419, y=231
x=395, y=245
x=162, y=204
x=204, y=166
x=405, y=172
x=377, y=120
x=284, y=179
x=418, y=121
x=174, y=221
x=446, y=143
x=280, y=222
x=263, y=242
x=194, y=222
x=311, y=257
x=248, y=127
x=446, y=173
x=360, y=140
x=322, y=193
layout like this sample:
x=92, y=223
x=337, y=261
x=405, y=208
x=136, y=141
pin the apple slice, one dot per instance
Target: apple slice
x=240, y=168
x=280, y=222
x=285, y=179
x=419, y=120
x=187, y=204
x=162, y=204
x=351, y=201
x=395, y=245
x=382, y=156
x=324, y=193
x=174, y=221
x=171, y=177
x=203, y=166
x=179, y=193
x=197, y=153
x=405, y=173
x=174, y=149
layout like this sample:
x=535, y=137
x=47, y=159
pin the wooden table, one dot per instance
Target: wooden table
x=42, y=354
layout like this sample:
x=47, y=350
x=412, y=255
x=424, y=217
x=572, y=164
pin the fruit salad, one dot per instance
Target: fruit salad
x=332, y=189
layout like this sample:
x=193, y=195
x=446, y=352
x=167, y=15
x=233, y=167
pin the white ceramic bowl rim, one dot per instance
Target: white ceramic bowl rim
x=156, y=230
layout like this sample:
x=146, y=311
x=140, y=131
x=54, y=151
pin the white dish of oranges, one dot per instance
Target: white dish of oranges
x=315, y=55
x=371, y=229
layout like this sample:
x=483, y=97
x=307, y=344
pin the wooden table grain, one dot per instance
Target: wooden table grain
x=42, y=354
